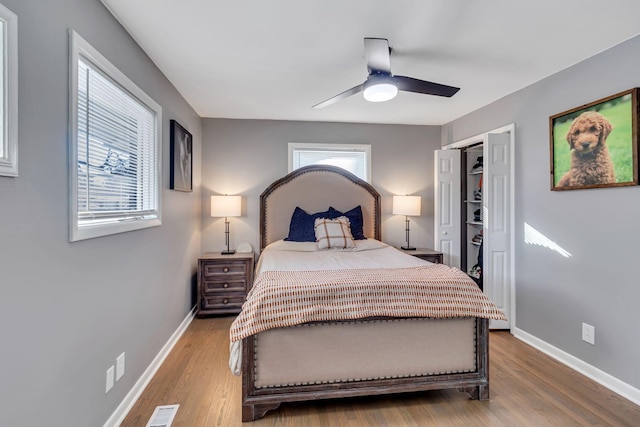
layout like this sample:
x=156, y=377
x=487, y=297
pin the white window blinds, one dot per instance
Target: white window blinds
x=116, y=150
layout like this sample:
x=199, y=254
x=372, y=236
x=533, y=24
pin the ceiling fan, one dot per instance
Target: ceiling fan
x=381, y=85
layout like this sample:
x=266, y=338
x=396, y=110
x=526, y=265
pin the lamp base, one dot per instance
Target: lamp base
x=407, y=248
x=231, y=252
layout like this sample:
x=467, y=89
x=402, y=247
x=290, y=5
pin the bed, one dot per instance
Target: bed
x=370, y=343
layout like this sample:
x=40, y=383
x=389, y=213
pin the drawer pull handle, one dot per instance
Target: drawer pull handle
x=225, y=301
x=226, y=269
x=226, y=285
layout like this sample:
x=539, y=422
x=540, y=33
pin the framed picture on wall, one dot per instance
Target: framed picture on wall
x=596, y=145
x=181, y=158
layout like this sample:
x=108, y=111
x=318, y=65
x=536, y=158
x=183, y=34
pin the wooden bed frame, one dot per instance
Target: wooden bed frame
x=315, y=188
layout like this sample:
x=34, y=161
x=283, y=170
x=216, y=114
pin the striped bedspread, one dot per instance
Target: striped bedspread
x=288, y=298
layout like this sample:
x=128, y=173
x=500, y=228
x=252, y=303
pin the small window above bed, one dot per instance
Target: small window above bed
x=356, y=158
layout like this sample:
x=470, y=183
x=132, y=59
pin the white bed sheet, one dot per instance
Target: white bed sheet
x=304, y=256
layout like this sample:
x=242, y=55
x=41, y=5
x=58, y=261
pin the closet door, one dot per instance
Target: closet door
x=451, y=234
x=447, y=209
x=496, y=206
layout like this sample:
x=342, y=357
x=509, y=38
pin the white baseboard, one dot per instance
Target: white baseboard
x=612, y=383
x=130, y=399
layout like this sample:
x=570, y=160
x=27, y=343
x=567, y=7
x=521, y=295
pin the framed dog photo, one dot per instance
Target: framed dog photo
x=596, y=145
x=181, y=158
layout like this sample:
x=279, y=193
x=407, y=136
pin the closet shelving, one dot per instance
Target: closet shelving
x=472, y=207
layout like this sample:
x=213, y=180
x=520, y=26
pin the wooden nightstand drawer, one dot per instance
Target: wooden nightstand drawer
x=229, y=284
x=223, y=304
x=223, y=282
x=215, y=270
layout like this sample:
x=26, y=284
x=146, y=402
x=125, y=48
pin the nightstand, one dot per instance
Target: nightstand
x=426, y=254
x=223, y=282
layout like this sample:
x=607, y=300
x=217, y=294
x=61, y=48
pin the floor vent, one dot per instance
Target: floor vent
x=163, y=416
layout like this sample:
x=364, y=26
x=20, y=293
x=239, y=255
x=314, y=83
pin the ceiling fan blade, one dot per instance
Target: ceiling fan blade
x=409, y=84
x=340, y=96
x=377, y=53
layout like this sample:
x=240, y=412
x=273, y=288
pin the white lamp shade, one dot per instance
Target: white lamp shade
x=406, y=205
x=226, y=206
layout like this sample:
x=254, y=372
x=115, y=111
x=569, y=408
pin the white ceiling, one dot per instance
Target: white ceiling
x=275, y=59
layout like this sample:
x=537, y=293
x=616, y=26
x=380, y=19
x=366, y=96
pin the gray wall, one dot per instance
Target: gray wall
x=598, y=284
x=67, y=310
x=245, y=156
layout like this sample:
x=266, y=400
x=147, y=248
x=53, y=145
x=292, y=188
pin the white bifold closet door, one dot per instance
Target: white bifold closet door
x=448, y=223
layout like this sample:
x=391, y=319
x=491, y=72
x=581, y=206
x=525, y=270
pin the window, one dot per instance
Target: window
x=356, y=158
x=8, y=92
x=115, y=149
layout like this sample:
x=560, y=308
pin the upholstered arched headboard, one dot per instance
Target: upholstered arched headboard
x=315, y=188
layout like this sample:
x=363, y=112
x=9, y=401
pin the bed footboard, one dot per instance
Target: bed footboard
x=265, y=384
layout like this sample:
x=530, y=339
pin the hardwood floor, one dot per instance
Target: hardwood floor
x=528, y=388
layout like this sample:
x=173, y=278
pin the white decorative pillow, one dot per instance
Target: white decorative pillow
x=333, y=233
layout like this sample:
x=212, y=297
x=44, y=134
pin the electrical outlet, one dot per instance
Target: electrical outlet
x=589, y=334
x=110, y=373
x=120, y=366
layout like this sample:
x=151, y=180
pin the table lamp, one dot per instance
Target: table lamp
x=407, y=206
x=226, y=206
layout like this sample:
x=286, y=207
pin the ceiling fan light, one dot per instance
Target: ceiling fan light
x=380, y=92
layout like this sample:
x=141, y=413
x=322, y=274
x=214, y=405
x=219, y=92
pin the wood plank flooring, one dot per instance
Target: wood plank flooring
x=528, y=388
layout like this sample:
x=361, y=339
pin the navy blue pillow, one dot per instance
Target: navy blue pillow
x=355, y=220
x=301, y=225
